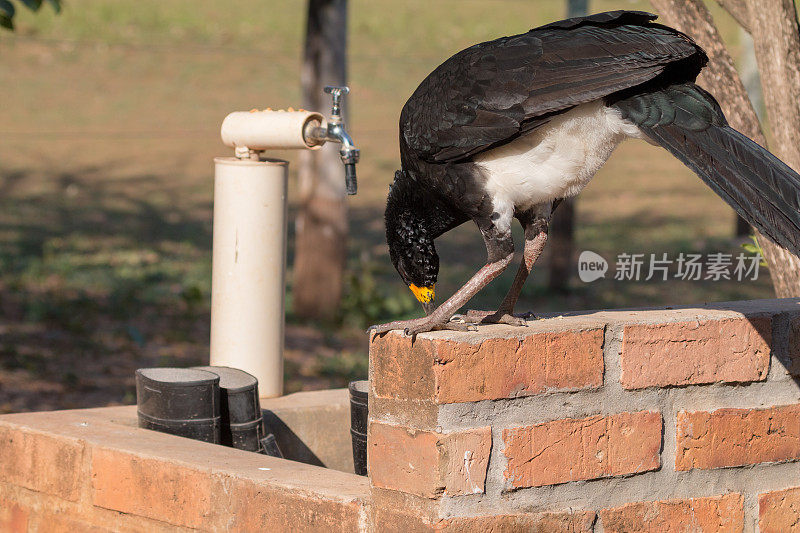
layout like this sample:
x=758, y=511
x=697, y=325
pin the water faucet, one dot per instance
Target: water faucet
x=336, y=132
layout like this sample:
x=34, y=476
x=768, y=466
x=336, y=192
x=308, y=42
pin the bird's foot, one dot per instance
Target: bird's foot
x=421, y=325
x=498, y=317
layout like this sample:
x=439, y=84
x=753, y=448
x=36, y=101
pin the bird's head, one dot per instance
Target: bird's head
x=411, y=247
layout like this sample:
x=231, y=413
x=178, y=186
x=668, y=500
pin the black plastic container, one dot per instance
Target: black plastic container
x=242, y=425
x=359, y=391
x=269, y=446
x=180, y=401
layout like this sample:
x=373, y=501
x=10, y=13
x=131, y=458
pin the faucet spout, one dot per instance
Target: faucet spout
x=349, y=154
x=336, y=132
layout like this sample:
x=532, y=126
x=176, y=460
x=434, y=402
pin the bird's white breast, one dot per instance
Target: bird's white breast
x=556, y=160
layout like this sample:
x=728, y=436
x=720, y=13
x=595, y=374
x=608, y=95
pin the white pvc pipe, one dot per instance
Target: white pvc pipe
x=249, y=269
x=270, y=130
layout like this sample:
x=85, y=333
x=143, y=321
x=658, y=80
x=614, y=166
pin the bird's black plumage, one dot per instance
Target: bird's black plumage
x=413, y=238
x=493, y=91
x=496, y=92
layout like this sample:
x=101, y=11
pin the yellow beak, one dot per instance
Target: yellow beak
x=423, y=294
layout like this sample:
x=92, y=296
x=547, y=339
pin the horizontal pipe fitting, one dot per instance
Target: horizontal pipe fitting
x=271, y=130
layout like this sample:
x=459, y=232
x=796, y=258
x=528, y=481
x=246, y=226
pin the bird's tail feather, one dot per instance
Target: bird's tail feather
x=688, y=122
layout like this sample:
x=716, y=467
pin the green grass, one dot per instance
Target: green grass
x=108, y=127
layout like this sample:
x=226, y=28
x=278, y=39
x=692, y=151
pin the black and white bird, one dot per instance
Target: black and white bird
x=509, y=128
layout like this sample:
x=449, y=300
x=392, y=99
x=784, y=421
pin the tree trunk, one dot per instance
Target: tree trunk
x=561, y=243
x=748, y=71
x=321, y=223
x=720, y=77
x=776, y=37
x=738, y=10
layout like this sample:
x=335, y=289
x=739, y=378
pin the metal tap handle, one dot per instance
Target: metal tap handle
x=336, y=94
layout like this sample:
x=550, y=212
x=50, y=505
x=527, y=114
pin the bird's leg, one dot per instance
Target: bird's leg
x=535, y=240
x=500, y=253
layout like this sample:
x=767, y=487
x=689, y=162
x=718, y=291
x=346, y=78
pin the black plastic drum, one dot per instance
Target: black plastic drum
x=242, y=426
x=359, y=391
x=180, y=401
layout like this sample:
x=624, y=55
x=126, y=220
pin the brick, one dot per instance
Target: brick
x=402, y=369
x=579, y=449
x=398, y=512
x=154, y=488
x=736, y=437
x=558, y=522
x=464, y=460
x=426, y=463
x=397, y=521
x=13, y=517
x=447, y=371
x=41, y=462
x=509, y=368
x=403, y=459
x=691, y=353
x=244, y=505
x=719, y=514
x=394, y=520
x=779, y=511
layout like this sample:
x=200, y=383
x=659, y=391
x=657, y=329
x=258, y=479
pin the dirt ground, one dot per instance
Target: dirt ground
x=108, y=126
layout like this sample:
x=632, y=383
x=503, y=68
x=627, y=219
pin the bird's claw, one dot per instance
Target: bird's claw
x=498, y=317
x=460, y=324
x=456, y=323
x=435, y=326
x=377, y=329
x=421, y=325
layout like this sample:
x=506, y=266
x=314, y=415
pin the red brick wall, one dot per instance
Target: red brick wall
x=94, y=471
x=625, y=421
x=655, y=420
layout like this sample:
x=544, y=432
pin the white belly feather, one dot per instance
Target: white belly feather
x=556, y=160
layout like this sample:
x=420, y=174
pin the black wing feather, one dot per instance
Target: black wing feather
x=688, y=122
x=492, y=92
